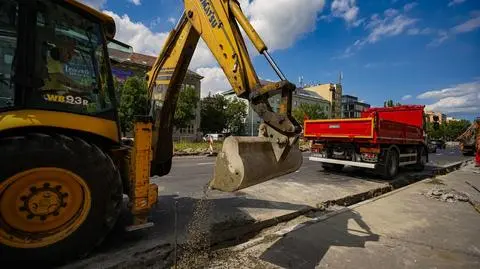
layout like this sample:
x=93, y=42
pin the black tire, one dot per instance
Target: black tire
x=331, y=167
x=88, y=161
x=421, y=162
x=391, y=166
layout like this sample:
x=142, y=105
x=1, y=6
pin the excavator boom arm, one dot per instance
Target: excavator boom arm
x=217, y=23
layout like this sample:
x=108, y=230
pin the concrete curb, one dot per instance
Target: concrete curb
x=393, y=185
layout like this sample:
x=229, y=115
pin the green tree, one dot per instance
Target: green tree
x=133, y=101
x=391, y=103
x=311, y=111
x=213, y=115
x=186, y=106
x=236, y=112
x=455, y=128
x=435, y=133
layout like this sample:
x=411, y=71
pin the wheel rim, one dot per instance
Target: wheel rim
x=42, y=206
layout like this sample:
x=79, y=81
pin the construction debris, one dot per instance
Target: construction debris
x=447, y=195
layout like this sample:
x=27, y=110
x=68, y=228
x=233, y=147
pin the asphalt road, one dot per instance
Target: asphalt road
x=190, y=174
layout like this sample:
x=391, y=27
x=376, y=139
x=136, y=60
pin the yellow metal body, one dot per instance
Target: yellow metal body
x=48, y=202
x=144, y=194
x=43, y=118
x=215, y=21
x=107, y=21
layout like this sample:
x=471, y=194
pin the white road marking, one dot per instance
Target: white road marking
x=205, y=163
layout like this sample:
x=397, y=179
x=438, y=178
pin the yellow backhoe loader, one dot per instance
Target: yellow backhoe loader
x=63, y=165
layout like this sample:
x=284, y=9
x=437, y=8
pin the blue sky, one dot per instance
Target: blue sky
x=415, y=52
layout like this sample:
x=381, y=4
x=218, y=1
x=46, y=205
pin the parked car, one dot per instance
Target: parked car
x=215, y=137
x=440, y=144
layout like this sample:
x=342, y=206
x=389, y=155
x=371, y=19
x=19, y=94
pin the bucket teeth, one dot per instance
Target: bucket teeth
x=247, y=161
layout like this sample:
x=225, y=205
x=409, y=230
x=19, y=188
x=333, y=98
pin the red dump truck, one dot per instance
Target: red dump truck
x=383, y=139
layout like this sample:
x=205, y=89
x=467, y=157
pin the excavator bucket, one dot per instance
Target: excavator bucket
x=247, y=161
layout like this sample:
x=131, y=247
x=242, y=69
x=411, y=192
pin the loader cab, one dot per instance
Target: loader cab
x=53, y=57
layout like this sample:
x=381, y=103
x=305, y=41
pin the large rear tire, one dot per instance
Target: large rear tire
x=391, y=166
x=421, y=159
x=59, y=197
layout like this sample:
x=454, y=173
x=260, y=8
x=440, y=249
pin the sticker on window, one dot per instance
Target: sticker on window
x=67, y=99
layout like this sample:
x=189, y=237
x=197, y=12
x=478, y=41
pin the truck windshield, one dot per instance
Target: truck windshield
x=8, y=42
x=70, y=63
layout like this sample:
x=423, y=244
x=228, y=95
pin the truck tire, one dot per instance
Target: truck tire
x=331, y=167
x=390, y=168
x=59, y=197
x=421, y=159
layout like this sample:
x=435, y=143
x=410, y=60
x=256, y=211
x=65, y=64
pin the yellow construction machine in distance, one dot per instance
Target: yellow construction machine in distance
x=63, y=165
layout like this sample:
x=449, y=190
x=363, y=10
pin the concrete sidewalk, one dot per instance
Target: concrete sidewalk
x=407, y=228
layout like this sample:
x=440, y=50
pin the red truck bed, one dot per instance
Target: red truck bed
x=395, y=125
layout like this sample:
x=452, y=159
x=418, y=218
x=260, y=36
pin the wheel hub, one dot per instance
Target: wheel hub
x=43, y=202
x=42, y=206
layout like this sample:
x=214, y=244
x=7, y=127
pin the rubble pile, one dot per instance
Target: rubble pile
x=447, y=195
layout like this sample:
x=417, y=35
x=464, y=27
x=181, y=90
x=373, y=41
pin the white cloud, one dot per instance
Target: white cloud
x=388, y=26
x=455, y=2
x=276, y=26
x=458, y=98
x=136, y=34
x=156, y=21
x=406, y=97
x=214, y=80
x=468, y=26
x=172, y=20
x=441, y=37
x=135, y=2
x=390, y=12
x=202, y=57
x=275, y=22
x=97, y=4
x=392, y=23
x=410, y=6
x=417, y=31
x=346, y=9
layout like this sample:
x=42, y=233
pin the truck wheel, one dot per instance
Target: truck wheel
x=59, y=197
x=390, y=169
x=421, y=160
x=331, y=167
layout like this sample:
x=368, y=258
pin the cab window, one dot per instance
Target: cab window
x=8, y=45
x=71, y=63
